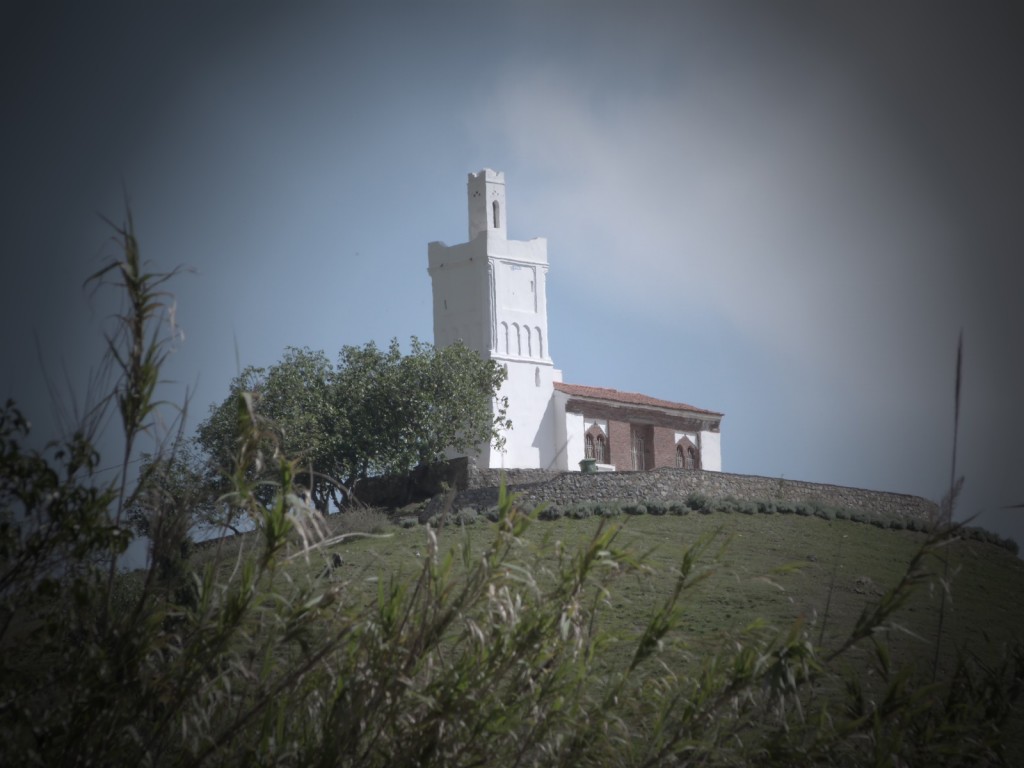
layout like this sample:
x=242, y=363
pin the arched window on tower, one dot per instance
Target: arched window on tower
x=540, y=342
x=497, y=217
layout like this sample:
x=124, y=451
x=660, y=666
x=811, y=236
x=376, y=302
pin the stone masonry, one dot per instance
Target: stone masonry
x=670, y=484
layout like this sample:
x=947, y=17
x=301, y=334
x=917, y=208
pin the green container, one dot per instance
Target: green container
x=588, y=466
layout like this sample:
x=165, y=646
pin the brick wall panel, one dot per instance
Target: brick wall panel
x=664, y=447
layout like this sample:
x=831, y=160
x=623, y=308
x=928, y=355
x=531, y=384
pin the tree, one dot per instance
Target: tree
x=183, y=480
x=292, y=398
x=375, y=412
x=408, y=410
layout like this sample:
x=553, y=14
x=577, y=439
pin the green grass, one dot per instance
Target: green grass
x=776, y=568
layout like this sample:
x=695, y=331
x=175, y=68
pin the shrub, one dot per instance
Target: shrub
x=877, y=522
x=784, y=508
x=896, y=524
x=679, y=508
x=466, y=516
x=608, y=510
x=748, y=508
x=698, y=502
x=859, y=517
x=550, y=512
x=766, y=507
x=824, y=513
x=635, y=509
x=492, y=513
x=579, y=512
x=803, y=510
x=656, y=508
x=842, y=513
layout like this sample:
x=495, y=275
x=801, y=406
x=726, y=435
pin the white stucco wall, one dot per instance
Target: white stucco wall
x=569, y=431
x=459, y=283
x=711, y=451
x=532, y=440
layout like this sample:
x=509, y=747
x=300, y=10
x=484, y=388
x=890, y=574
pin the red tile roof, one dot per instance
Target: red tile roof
x=629, y=398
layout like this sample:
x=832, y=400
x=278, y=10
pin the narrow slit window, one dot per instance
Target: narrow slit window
x=497, y=219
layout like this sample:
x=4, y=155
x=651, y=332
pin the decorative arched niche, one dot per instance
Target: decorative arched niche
x=595, y=444
x=687, y=454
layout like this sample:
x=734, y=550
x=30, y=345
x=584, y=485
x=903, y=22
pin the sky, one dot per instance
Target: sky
x=784, y=212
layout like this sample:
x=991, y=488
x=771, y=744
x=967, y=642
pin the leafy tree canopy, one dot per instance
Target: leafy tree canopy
x=376, y=411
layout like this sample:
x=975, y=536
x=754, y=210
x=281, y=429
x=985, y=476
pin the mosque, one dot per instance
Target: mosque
x=490, y=293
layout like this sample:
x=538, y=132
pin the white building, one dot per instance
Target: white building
x=491, y=293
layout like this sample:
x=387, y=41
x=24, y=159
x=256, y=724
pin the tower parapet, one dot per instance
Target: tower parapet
x=487, y=212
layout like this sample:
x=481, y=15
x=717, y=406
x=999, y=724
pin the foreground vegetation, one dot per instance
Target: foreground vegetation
x=518, y=642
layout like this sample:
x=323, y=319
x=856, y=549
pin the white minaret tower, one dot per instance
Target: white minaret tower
x=490, y=293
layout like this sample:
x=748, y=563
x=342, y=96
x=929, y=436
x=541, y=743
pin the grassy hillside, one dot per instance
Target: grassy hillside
x=758, y=577
x=778, y=568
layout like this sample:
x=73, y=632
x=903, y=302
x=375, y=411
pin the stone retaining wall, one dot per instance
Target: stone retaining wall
x=565, y=488
x=491, y=478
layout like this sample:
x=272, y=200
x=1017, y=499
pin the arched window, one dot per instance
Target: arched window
x=497, y=218
x=687, y=455
x=540, y=343
x=504, y=337
x=529, y=341
x=596, y=444
x=519, y=339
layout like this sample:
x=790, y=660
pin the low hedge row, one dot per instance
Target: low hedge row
x=700, y=504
